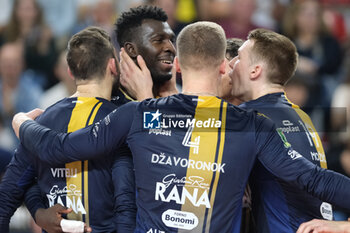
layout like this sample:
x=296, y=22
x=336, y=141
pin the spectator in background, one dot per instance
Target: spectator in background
x=5, y=10
x=104, y=15
x=18, y=91
x=61, y=16
x=235, y=16
x=27, y=27
x=5, y=153
x=66, y=87
x=188, y=11
x=125, y=5
x=340, y=112
x=269, y=13
x=320, y=56
x=339, y=152
x=169, y=6
x=6, y=139
x=297, y=91
x=100, y=13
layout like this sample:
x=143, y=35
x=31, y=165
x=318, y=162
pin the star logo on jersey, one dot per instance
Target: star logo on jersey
x=152, y=120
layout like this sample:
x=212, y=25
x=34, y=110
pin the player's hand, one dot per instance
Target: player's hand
x=21, y=117
x=136, y=80
x=324, y=226
x=169, y=88
x=51, y=220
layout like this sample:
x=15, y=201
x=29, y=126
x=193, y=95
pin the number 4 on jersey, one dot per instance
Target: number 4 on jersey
x=187, y=140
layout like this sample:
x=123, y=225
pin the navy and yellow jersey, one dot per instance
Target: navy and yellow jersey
x=192, y=157
x=100, y=191
x=19, y=176
x=279, y=206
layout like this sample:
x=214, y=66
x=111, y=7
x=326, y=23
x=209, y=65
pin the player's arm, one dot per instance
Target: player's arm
x=281, y=160
x=33, y=200
x=124, y=191
x=16, y=180
x=96, y=140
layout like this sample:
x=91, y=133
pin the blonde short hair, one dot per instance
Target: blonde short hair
x=201, y=45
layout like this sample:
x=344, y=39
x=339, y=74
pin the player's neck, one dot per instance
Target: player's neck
x=200, y=83
x=266, y=89
x=93, y=89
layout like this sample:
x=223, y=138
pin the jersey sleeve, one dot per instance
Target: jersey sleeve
x=18, y=177
x=96, y=140
x=124, y=191
x=33, y=199
x=277, y=156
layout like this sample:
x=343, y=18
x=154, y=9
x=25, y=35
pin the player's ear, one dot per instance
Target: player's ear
x=177, y=65
x=223, y=67
x=131, y=49
x=113, y=66
x=255, y=71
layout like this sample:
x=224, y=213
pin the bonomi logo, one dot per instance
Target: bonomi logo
x=152, y=120
x=326, y=211
x=180, y=219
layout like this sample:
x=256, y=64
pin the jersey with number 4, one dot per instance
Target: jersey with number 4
x=192, y=158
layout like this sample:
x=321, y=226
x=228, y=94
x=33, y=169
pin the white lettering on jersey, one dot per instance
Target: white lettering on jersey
x=187, y=163
x=190, y=123
x=72, y=196
x=174, y=195
x=179, y=219
x=155, y=231
x=63, y=172
x=326, y=211
x=294, y=154
x=318, y=156
x=187, y=141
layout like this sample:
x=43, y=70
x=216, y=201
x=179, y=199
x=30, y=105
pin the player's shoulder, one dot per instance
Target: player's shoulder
x=106, y=106
x=244, y=120
x=172, y=101
x=241, y=112
x=62, y=106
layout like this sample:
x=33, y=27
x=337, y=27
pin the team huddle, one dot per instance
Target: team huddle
x=172, y=162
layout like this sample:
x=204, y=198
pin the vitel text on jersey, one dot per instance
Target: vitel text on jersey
x=64, y=172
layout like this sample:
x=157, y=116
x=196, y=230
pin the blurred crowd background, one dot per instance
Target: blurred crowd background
x=33, y=70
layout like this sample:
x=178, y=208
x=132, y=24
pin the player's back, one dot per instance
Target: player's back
x=192, y=158
x=84, y=186
x=279, y=206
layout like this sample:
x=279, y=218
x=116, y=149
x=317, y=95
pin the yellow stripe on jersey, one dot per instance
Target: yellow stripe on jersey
x=311, y=133
x=203, y=152
x=86, y=192
x=219, y=160
x=86, y=170
x=126, y=95
x=83, y=113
